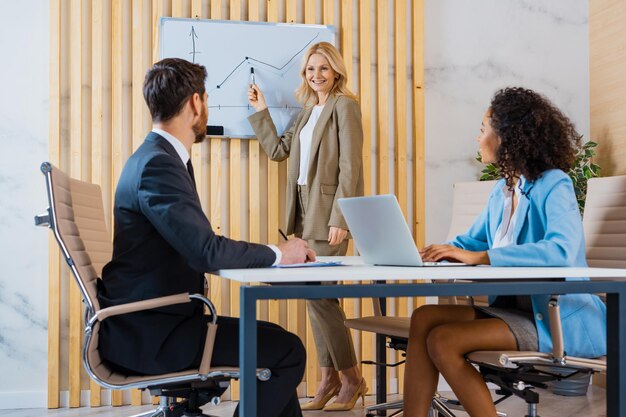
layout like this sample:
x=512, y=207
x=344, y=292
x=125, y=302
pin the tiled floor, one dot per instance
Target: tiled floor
x=592, y=405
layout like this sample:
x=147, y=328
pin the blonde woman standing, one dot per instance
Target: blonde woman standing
x=324, y=147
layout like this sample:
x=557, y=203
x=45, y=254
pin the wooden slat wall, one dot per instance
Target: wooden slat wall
x=54, y=155
x=76, y=172
x=118, y=139
x=99, y=53
x=607, y=83
x=401, y=145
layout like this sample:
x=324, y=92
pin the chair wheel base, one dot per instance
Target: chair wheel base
x=383, y=413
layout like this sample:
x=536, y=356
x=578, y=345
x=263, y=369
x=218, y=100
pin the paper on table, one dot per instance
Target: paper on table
x=310, y=264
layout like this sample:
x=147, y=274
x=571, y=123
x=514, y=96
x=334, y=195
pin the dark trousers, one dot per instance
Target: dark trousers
x=280, y=351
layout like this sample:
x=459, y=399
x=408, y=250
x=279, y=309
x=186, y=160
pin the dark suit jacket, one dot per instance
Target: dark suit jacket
x=163, y=244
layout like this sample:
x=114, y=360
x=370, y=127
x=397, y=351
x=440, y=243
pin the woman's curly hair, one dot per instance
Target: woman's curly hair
x=535, y=135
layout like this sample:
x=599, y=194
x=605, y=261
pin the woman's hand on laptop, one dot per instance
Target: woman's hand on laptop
x=436, y=253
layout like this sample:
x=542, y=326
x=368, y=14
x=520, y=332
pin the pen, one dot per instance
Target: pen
x=282, y=234
x=252, y=84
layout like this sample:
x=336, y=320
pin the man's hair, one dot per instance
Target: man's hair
x=169, y=84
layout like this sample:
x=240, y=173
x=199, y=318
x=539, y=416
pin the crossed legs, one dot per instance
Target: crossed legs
x=440, y=337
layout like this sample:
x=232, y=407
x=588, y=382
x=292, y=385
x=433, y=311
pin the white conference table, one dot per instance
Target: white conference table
x=291, y=283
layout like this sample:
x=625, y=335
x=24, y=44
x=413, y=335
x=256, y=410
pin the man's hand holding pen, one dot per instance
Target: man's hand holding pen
x=295, y=251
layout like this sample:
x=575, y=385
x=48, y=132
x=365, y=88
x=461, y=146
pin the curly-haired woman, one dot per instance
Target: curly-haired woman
x=531, y=219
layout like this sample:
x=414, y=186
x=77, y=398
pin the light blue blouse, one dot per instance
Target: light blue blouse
x=548, y=232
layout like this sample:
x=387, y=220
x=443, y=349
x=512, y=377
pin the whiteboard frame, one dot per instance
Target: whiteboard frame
x=163, y=19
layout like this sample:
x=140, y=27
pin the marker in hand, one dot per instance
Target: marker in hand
x=252, y=81
x=255, y=96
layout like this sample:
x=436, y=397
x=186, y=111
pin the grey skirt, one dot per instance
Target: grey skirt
x=517, y=313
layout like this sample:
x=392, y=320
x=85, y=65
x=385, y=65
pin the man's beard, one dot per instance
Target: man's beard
x=199, y=129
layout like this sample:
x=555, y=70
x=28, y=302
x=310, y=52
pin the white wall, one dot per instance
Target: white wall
x=24, y=35
x=473, y=47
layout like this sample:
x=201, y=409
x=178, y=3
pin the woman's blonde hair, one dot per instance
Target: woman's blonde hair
x=305, y=94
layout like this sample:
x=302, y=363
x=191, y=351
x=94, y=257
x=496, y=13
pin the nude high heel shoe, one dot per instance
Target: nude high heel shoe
x=313, y=405
x=360, y=392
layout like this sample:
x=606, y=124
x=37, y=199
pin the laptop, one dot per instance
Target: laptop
x=380, y=232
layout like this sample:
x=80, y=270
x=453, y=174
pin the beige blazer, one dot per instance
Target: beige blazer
x=335, y=163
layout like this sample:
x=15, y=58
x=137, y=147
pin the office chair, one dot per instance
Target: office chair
x=469, y=200
x=76, y=216
x=519, y=373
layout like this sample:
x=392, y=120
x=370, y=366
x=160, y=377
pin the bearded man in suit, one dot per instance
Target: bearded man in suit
x=163, y=244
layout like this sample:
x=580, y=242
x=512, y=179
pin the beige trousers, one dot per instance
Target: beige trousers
x=333, y=340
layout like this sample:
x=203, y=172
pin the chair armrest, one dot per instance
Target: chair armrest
x=151, y=304
x=556, y=330
x=43, y=219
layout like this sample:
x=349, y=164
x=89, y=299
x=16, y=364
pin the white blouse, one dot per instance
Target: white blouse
x=306, y=137
x=504, y=233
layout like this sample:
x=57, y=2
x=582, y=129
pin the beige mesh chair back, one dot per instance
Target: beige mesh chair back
x=469, y=200
x=76, y=217
x=604, y=222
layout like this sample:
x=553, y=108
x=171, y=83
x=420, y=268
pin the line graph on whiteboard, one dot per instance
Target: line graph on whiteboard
x=229, y=50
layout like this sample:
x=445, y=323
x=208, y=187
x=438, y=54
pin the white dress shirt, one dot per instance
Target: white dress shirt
x=306, y=137
x=504, y=233
x=177, y=144
x=184, y=157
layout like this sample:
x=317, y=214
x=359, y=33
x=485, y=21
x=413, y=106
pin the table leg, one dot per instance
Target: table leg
x=616, y=346
x=247, y=352
x=381, y=371
x=381, y=357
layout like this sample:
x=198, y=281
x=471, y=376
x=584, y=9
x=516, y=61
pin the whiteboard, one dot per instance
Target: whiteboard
x=228, y=49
